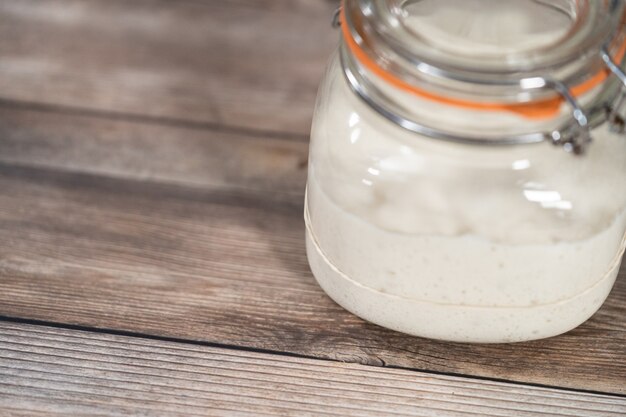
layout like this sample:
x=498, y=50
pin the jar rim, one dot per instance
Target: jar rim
x=537, y=109
x=536, y=90
x=380, y=26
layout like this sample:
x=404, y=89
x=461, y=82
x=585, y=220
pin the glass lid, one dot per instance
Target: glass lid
x=557, y=61
x=491, y=42
x=498, y=31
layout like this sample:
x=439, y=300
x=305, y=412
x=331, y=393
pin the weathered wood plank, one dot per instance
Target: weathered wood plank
x=64, y=372
x=250, y=63
x=114, y=241
x=145, y=151
x=228, y=266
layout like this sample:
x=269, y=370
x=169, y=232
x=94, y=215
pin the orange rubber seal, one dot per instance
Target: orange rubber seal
x=533, y=110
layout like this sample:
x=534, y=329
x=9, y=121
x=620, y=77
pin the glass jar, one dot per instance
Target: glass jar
x=467, y=175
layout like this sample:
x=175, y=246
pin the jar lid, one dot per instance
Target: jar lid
x=523, y=56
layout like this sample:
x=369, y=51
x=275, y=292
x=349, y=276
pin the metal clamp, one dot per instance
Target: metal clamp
x=616, y=120
x=336, y=22
x=578, y=140
x=612, y=65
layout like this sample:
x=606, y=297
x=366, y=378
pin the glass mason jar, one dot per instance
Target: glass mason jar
x=467, y=175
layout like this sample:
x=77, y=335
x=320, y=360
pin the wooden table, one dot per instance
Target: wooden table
x=152, y=164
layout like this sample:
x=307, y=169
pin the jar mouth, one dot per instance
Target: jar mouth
x=493, y=33
x=492, y=30
x=570, y=62
x=416, y=42
x=497, y=37
x=537, y=109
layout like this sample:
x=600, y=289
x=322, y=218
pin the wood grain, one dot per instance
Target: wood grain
x=68, y=372
x=227, y=265
x=247, y=63
x=152, y=164
x=157, y=152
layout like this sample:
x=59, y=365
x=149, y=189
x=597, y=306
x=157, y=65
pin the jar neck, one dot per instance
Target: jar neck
x=528, y=109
